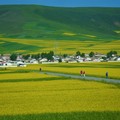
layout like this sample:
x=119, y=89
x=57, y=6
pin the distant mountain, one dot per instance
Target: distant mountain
x=42, y=22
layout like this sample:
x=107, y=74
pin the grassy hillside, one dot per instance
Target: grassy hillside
x=40, y=22
x=29, y=29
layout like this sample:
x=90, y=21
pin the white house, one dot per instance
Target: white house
x=118, y=59
x=44, y=60
x=21, y=64
x=33, y=61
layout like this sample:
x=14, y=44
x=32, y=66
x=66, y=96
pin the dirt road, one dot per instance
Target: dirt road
x=81, y=77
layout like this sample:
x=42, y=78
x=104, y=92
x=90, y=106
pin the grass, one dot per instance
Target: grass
x=66, y=116
x=41, y=22
x=30, y=95
x=36, y=26
x=16, y=47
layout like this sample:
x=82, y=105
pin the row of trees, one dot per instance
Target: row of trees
x=50, y=55
x=111, y=53
x=78, y=53
x=92, y=54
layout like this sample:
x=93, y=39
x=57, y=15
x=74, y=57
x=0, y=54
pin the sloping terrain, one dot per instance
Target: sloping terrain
x=41, y=22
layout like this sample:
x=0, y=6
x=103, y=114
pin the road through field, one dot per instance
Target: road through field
x=83, y=78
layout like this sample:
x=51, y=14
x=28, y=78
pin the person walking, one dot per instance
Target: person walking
x=40, y=69
x=81, y=73
x=106, y=74
x=84, y=73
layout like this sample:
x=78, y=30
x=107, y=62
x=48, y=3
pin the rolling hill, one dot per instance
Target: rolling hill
x=42, y=22
x=35, y=28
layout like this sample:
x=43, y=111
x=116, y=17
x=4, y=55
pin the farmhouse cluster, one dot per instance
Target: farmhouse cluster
x=48, y=58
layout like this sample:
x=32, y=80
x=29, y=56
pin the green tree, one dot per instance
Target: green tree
x=35, y=56
x=78, y=53
x=26, y=56
x=114, y=52
x=50, y=55
x=65, y=55
x=13, y=57
x=109, y=54
x=83, y=55
x=60, y=60
x=91, y=54
x=43, y=55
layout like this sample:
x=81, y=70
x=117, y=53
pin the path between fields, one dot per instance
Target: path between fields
x=84, y=78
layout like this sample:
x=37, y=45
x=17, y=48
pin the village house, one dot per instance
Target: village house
x=6, y=57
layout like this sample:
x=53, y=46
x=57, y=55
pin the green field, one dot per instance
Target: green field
x=36, y=29
x=27, y=94
x=59, y=23
x=9, y=45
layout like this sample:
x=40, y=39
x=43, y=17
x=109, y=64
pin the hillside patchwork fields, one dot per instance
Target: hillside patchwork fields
x=10, y=45
x=29, y=28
